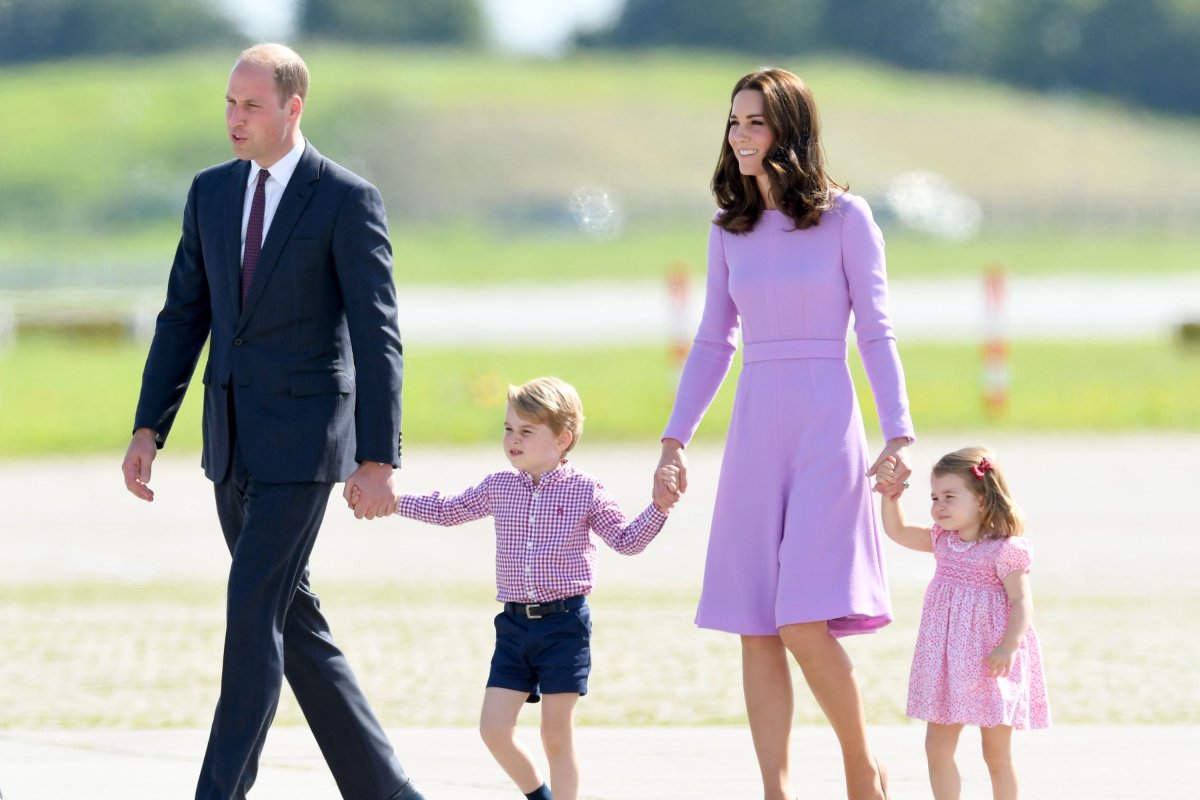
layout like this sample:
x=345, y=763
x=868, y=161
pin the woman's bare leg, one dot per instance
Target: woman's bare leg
x=767, y=684
x=830, y=676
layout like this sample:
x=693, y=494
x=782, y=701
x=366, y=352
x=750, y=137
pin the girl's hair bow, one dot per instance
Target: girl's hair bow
x=983, y=466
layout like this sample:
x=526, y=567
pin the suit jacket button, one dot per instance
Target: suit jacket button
x=237, y=342
x=223, y=387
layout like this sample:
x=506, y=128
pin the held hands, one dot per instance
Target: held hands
x=886, y=476
x=370, y=492
x=999, y=662
x=891, y=470
x=670, y=477
x=136, y=466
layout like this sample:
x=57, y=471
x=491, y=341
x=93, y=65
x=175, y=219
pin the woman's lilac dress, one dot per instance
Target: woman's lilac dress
x=795, y=532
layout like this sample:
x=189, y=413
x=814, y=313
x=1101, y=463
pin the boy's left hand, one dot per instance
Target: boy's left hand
x=999, y=662
x=668, y=476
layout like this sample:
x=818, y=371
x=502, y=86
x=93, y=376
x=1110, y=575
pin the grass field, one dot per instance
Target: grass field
x=478, y=157
x=145, y=656
x=456, y=395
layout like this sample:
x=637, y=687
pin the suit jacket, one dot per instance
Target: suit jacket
x=313, y=357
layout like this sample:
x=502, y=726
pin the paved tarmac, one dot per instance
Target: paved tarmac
x=933, y=309
x=709, y=763
x=1122, y=489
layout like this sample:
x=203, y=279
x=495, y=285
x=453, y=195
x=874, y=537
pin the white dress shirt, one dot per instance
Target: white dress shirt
x=281, y=172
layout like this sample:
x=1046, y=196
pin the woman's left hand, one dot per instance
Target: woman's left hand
x=898, y=449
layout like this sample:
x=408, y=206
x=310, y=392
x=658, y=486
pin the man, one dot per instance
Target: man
x=285, y=262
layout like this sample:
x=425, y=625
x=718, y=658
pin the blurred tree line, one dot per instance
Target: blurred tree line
x=35, y=30
x=1142, y=51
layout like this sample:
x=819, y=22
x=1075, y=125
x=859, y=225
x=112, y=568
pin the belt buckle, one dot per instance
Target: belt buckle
x=529, y=611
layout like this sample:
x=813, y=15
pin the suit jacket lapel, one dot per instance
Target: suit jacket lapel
x=235, y=205
x=295, y=197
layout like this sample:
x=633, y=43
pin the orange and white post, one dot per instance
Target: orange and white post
x=996, y=374
x=678, y=290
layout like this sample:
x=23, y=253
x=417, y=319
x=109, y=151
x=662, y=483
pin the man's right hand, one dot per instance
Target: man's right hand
x=136, y=466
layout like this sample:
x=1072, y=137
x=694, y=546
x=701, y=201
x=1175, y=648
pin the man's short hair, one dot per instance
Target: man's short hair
x=289, y=69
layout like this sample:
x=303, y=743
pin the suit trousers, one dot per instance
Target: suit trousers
x=274, y=628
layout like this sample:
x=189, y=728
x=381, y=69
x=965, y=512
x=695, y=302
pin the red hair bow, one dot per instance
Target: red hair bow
x=984, y=466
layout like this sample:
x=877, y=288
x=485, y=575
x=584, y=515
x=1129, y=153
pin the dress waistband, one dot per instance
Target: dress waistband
x=794, y=348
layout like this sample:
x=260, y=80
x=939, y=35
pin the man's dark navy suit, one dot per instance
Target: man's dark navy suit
x=302, y=382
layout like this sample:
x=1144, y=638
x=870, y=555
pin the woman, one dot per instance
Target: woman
x=794, y=557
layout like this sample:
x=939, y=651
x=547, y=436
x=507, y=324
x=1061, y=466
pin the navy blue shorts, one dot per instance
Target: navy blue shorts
x=551, y=655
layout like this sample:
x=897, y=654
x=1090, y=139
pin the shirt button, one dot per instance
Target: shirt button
x=532, y=595
x=529, y=545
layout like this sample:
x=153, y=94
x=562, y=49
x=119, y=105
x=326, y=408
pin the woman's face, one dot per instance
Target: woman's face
x=750, y=136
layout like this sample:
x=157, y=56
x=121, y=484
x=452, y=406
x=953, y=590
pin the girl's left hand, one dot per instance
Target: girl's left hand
x=897, y=450
x=999, y=662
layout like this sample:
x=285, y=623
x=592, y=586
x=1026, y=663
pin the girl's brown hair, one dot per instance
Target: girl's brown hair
x=978, y=468
x=800, y=186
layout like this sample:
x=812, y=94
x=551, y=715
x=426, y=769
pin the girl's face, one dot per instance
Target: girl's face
x=955, y=507
x=532, y=446
x=750, y=136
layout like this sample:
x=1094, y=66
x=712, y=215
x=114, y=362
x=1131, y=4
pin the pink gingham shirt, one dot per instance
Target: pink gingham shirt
x=545, y=550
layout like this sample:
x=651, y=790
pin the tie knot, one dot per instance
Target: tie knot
x=262, y=176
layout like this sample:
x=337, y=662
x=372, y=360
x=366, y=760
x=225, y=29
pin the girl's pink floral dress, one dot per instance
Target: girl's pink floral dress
x=963, y=619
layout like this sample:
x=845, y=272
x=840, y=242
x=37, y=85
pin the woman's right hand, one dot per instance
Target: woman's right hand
x=672, y=456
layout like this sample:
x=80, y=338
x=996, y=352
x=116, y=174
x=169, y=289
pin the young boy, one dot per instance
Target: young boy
x=545, y=511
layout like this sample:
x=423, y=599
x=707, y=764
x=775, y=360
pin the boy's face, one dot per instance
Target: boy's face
x=532, y=446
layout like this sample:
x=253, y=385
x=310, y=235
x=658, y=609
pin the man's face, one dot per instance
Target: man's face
x=259, y=128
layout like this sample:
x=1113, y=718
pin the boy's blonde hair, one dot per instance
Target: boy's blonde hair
x=978, y=468
x=551, y=402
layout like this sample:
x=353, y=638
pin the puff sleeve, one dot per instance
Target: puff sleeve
x=1014, y=556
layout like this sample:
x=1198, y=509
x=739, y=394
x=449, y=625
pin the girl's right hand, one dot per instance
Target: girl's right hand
x=666, y=491
x=895, y=452
x=884, y=476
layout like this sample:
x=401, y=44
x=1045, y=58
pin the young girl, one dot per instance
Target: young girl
x=977, y=659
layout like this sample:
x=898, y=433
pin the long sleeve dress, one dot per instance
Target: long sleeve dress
x=795, y=533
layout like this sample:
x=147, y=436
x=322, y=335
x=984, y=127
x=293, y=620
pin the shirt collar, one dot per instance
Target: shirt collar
x=282, y=169
x=563, y=469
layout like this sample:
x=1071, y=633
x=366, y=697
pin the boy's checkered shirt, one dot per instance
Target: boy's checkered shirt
x=544, y=547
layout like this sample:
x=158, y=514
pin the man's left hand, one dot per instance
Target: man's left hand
x=370, y=492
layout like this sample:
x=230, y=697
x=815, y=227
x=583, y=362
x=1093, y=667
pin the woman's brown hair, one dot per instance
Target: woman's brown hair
x=978, y=468
x=800, y=186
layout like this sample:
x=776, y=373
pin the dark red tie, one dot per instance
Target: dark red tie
x=254, y=232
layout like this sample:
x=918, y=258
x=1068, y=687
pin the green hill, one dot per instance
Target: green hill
x=479, y=156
